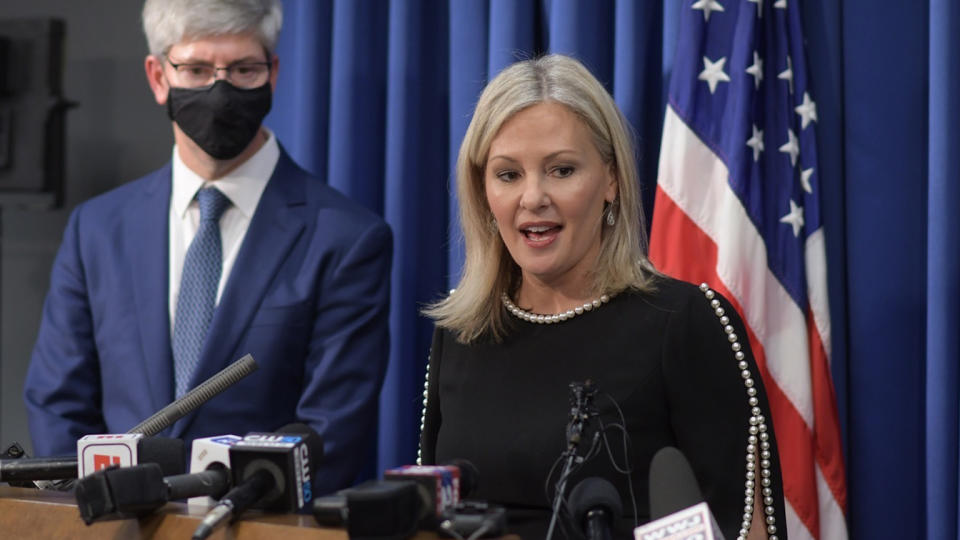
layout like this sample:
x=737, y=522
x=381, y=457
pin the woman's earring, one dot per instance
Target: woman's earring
x=611, y=215
x=493, y=225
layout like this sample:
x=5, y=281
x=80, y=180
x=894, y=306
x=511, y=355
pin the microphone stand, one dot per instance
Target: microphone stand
x=581, y=399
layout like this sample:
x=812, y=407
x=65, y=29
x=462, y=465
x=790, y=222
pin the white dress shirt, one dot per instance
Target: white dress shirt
x=243, y=186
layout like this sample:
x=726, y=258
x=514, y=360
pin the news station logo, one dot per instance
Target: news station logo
x=101, y=456
x=270, y=440
x=692, y=523
x=97, y=452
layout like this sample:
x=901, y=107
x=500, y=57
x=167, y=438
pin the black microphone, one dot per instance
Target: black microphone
x=442, y=486
x=469, y=476
x=596, y=507
x=409, y=498
x=676, y=504
x=271, y=471
x=375, y=509
x=199, y=395
x=166, y=451
x=124, y=492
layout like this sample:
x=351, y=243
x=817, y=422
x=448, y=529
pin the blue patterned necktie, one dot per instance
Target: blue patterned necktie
x=198, y=288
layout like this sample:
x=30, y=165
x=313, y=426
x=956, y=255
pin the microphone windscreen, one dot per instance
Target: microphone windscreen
x=166, y=452
x=310, y=437
x=673, y=485
x=593, y=493
x=383, y=510
x=469, y=476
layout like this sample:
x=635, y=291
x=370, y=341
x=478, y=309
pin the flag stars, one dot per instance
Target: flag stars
x=707, y=6
x=787, y=74
x=805, y=179
x=807, y=111
x=794, y=218
x=791, y=147
x=756, y=70
x=713, y=72
x=759, y=4
x=756, y=142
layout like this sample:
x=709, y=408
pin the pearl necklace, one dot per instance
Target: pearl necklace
x=556, y=317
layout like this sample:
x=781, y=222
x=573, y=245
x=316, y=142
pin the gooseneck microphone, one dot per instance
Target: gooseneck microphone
x=581, y=410
x=596, y=507
x=199, y=395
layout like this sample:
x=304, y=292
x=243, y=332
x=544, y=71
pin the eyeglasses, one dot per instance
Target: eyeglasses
x=241, y=74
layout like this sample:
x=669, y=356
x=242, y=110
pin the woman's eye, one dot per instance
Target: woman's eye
x=508, y=176
x=563, y=172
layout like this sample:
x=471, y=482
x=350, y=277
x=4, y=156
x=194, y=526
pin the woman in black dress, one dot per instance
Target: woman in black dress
x=556, y=288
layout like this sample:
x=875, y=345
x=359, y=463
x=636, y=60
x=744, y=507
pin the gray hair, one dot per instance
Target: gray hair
x=168, y=22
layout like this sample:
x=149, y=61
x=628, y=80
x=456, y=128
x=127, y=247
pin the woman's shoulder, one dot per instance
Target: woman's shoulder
x=697, y=309
x=673, y=295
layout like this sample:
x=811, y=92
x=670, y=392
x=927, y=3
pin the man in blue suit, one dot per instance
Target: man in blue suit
x=229, y=249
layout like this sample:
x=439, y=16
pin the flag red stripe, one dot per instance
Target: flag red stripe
x=827, y=428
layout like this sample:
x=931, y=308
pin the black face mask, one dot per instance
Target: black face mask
x=222, y=119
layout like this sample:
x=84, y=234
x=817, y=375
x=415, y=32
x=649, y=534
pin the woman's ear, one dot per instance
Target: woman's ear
x=613, y=184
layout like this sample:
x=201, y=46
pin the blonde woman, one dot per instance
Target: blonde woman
x=556, y=288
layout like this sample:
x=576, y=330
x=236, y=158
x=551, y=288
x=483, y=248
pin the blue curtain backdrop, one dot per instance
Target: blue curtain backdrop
x=375, y=96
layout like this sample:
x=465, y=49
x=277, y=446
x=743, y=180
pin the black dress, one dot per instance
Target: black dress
x=664, y=357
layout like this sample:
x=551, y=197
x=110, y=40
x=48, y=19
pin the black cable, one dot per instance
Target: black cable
x=628, y=469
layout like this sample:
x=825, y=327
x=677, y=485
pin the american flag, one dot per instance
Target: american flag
x=737, y=207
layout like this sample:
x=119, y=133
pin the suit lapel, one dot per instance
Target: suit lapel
x=275, y=227
x=147, y=221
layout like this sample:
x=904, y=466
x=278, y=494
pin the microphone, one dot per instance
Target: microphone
x=676, y=505
x=469, y=476
x=375, y=509
x=96, y=452
x=199, y=395
x=124, y=492
x=596, y=507
x=210, y=453
x=163, y=450
x=270, y=471
x=582, y=410
x=407, y=499
x=439, y=484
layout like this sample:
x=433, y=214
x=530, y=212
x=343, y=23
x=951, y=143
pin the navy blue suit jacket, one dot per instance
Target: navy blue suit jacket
x=307, y=297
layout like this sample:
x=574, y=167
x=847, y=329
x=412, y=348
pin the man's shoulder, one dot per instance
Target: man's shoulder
x=151, y=184
x=332, y=207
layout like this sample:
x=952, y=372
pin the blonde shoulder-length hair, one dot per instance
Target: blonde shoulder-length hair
x=475, y=310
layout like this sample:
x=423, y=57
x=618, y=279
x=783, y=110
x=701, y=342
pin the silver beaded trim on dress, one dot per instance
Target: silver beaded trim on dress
x=756, y=433
x=423, y=412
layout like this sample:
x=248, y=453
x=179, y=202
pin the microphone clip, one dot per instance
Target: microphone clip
x=581, y=410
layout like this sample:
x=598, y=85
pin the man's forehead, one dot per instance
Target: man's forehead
x=220, y=48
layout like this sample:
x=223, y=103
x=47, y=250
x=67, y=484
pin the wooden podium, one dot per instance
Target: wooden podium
x=31, y=513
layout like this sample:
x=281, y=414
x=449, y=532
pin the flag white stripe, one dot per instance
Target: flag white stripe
x=796, y=530
x=816, y=262
x=833, y=524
